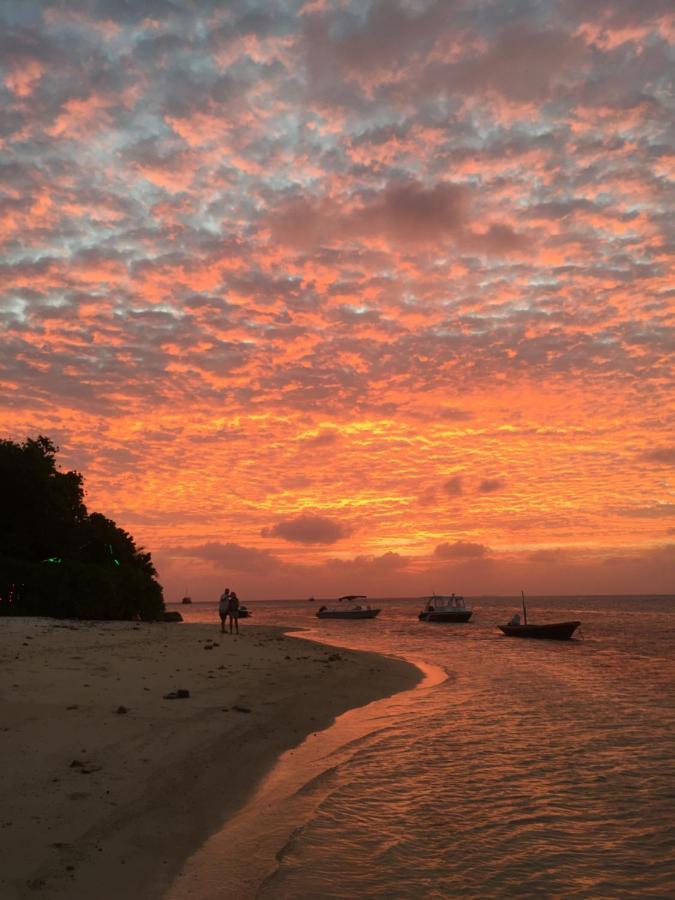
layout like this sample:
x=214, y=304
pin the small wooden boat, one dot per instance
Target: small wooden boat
x=445, y=608
x=352, y=609
x=556, y=631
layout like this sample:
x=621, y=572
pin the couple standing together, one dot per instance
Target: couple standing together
x=228, y=608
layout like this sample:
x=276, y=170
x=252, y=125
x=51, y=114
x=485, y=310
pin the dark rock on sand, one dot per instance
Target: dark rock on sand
x=84, y=768
x=180, y=694
x=172, y=617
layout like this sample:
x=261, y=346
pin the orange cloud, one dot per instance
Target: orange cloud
x=350, y=296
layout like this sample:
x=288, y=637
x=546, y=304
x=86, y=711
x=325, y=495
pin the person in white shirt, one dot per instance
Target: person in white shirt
x=223, y=608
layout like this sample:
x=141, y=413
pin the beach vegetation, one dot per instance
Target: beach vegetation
x=58, y=559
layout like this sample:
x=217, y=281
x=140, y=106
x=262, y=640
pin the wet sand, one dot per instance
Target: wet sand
x=106, y=787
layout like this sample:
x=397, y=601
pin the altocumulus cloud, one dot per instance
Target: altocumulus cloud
x=469, y=209
x=401, y=212
x=663, y=455
x=490, y=485
x=453, y=486
x=551, y=555
x=323, y=439
x=387, y=562
x=460, y=550
x=308, y=529
x=231, y=556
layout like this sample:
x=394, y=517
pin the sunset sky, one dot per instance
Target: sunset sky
x=347, y=296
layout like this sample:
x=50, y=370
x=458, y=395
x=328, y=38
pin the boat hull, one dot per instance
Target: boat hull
x=559, y=631
x=348, y=614
x=455, y=615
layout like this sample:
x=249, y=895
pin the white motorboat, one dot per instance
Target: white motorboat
x=352, y=606
x=445, y=608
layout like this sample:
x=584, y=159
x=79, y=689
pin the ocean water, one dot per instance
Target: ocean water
x=517, y=769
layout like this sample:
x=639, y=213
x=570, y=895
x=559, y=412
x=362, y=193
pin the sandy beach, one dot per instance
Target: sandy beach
x=107, y=784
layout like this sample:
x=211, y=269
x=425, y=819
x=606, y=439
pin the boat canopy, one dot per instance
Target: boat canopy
x=352, y=597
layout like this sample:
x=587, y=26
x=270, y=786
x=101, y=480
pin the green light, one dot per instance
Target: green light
x=53, y=559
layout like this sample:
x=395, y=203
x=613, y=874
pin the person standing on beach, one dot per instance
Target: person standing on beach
x=223, y=609
x=233, y=611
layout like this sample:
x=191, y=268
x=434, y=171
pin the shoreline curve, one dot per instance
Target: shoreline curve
x=235, y=862
x=113, y=787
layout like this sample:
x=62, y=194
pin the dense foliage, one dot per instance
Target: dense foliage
x=56, y=559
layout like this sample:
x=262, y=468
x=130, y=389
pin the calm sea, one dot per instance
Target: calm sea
x=518, y=769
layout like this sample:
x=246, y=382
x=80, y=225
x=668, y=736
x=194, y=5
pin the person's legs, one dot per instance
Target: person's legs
x=222, y=624
x=236, y=624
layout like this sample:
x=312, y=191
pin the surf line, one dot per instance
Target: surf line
x=236, y=860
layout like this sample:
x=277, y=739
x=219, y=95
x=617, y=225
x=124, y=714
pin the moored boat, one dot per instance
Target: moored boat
x=244, y=612
x=353, y=608
x=554, y=631
x=445, y=608
x=557, y=631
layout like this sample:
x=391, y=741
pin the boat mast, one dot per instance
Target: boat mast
x=522, y=594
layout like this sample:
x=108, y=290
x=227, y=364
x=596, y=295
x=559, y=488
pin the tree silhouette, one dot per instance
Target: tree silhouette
x=57, y=559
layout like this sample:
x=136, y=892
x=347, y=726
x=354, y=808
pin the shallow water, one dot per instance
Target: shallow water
x=535, y=769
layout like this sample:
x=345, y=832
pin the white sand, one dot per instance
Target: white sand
x=96, y=803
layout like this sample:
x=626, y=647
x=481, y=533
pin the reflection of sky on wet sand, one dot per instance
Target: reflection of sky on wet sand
x=307, y=291
x=290, y=793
